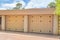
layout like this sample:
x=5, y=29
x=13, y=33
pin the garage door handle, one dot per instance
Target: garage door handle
x=40, y=30
x=32, y=30
x=49, y=31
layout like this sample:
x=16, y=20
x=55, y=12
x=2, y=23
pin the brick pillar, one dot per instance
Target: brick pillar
x=55, y=26
x=3, y=23
x=26, y=23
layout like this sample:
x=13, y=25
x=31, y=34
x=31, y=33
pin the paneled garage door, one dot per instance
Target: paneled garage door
x=14, y=23
x=59, y=25
x=40, y=23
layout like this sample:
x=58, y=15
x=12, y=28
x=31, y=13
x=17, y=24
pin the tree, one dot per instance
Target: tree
x=52, y=5
x=18, y=6
x=58, y=7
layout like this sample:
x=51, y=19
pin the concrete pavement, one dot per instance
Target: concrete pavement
x=26, y=36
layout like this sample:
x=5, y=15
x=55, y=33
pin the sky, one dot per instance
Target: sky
x=27, y=4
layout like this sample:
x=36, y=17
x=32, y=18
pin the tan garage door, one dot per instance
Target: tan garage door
x=14, y=23
x=59, y=25
x=40, y=24
x=0, y=23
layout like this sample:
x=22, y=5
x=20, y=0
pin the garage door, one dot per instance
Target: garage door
x=0, y=23
x=40, y=24
x=14, y=23
x=59, y=25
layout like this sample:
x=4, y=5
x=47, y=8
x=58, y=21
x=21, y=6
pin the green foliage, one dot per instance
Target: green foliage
x=52, y=5
x=58, y=7
x=18, y=6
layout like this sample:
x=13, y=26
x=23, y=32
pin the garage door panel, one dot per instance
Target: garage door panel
x=14, y=23
x=40, y=24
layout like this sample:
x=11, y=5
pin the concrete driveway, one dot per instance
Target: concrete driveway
x=26, y=36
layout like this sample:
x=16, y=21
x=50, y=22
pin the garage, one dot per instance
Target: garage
x=41, y=23
x=14, y=23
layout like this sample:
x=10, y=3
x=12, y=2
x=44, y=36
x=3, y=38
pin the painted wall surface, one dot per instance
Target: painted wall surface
x=15, y=23
x=41, y=23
